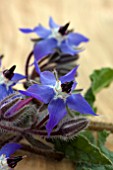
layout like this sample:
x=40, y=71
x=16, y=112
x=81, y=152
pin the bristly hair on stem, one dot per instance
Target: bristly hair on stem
x=20, y=119
x=99, y=126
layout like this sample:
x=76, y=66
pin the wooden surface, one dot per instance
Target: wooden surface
x=33, y=162
x=92, y=18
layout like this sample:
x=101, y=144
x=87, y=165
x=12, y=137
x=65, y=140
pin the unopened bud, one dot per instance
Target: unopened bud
x=71, y=128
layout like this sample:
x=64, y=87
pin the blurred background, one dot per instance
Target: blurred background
x=94, y=19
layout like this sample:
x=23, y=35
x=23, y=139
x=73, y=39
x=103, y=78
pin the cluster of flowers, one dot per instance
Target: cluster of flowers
x=58, y=94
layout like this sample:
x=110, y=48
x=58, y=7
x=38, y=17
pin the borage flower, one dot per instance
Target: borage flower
x=7, y=162
x=58, y=94
x=57, y=37
x=8, y=79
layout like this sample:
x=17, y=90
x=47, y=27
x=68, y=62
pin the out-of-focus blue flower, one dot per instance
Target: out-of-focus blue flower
x=58, y=94
x=7, y=162
x=55, y=37
x=8, y=79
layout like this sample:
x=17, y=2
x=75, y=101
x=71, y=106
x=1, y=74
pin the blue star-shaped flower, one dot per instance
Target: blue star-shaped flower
x=8, y=79
x=58, y=94
x=7, y=162
x=56, y=37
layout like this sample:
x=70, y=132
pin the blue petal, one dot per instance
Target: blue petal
x=47, y=78
x=40, y=92
x=70, y=76
x=37, y=67
x=0, y=62
x=17, y=77
x=76, y=38
x=78, y=103
x=44, y=48
x=68, y=48
x=4, y=91
x=42, y=31
x=26, y=30
x=57, y=111
x=73, y=86
x=9, y=149
x=52, y=24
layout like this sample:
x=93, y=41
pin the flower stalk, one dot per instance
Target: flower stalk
x=100, y=126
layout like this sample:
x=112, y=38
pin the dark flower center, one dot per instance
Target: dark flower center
x=9, y=73
x=66, y=87
x=63, y=29
x=12, y=162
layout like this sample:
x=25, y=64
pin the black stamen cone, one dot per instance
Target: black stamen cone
x=66, y=87
x=12, y=68
x=12, y=162
x=9, y=73
x=1, y=56
x=63, y=29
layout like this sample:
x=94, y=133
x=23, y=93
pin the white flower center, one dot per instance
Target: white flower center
x=58, y=90
x=4, y=80
x=3, y=163
x=55, y=34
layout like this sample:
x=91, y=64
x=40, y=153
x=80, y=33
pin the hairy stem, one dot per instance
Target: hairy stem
x=13, y=129
x=49, y=154
x=42, y=122
x=99, y=126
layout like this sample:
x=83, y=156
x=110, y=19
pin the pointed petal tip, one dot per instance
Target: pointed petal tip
x=52, y=24
x=17, y=77
x=70, y=76
x=48, y=131
x=57, y=111
x=78, y=103
x=92, y=113
x=25, y=30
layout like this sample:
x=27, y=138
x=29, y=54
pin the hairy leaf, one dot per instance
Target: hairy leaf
x=102, y=136
x=101, y=78
x=84, y=153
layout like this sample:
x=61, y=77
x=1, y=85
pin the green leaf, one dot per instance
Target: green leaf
x=101, y=78
x=100, y=143
x=85, y=154
x=102, y=136
x=89, y=135
x=85, y=151
x=90, y=97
